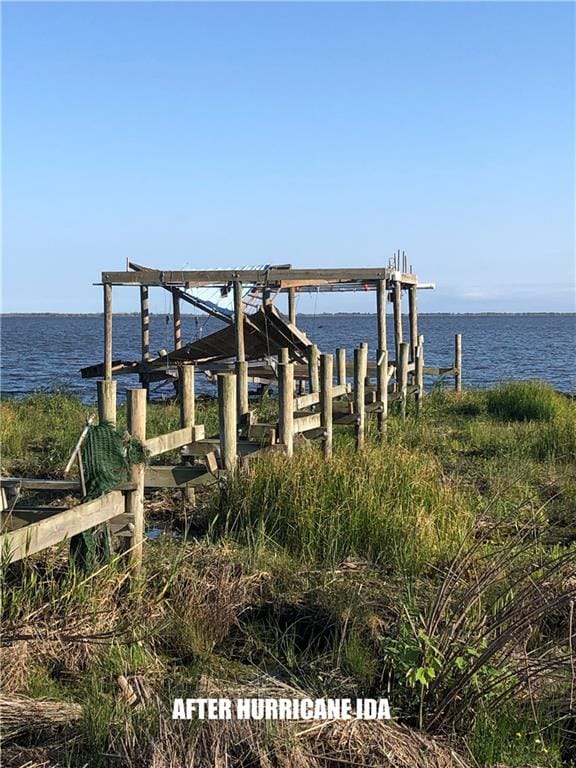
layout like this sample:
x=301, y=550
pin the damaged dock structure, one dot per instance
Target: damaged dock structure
x=255, y=330
x=317, y=390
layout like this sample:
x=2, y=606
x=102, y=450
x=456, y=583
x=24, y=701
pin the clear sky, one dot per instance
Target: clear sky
x=319, y=134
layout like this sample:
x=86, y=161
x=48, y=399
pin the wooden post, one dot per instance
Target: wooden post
x=107, y=331
x=145, y=322
x=106, y=402
x=286, y=401
x=242, y=390
x=382, y=390
x=228, y=420
x=397, y=326
x=326, y=379
x=413, y=313
x=458, y=362
x=360, y=366
x=292, y=305
x=241, y=364
x=381, y=296
x=419, y=374
x=313, y=368
x=186, y=396
x=177, y=320
x=136, y=417
x=404, y=354
x=341, y=363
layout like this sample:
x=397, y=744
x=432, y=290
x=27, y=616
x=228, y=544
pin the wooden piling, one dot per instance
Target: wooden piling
x=292, y=305
x=382, y=357
x=458, y=362
x=186, y=398
x=419, y=373
x=313, y=368
x=381, y=296
x=144, y=322
x=403, y=370
x=413, y=315
x=241, y=364
x=106, y=401
x=360, y=367
x=177, y=319
x=397, y=303
x=326, y=381
x=228, y=420
x=286, y=402
x=136, y=418
x=242, y=390
x=341, y=374
x=382, y=390
x=108, y=331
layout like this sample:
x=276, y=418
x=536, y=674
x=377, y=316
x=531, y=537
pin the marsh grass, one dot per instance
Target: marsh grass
x=323, y=575
x=391, y=506
x=523, y=401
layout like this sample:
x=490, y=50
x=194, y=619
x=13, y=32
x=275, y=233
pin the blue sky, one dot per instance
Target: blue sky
x=320, y=134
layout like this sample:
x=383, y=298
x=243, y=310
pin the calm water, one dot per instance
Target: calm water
x=45, y=352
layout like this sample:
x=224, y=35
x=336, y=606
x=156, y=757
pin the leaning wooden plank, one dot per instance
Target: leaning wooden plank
x=51, y=531
x=305, y=423
x=177, y=476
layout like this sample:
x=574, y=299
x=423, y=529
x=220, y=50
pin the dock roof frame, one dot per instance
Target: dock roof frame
x=280, y=278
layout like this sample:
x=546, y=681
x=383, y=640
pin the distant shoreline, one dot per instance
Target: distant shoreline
x=303, y=314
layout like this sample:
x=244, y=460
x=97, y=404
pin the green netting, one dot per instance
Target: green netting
x=107, y=456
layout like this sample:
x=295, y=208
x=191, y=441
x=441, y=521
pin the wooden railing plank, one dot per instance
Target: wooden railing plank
x=51, y=531
x=172, y=440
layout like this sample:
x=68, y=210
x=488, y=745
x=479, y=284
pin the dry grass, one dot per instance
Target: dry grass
x=21, y=714
x=316, y=744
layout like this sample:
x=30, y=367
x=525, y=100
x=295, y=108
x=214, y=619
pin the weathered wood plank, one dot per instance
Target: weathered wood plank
x=313, y=398
x=202, y=448
x=172, y=440
x=52, y=530
x=177, y=476
x=285, y=277
x=41, y=484
x=305, y=423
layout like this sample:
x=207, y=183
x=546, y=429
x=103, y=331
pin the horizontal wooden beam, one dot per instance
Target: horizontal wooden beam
x=41, y=484
x=202, y=448
x=177, y=476
x=172, y=440
x=52, y=530
x=438, y=371
x=306, y=423
x=313, y=398
x=265, y=277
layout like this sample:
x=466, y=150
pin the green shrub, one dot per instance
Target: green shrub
x=523, y=401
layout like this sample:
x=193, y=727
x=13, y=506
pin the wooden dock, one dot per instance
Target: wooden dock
x=315, y=393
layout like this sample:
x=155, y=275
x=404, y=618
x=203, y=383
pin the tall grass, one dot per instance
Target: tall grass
x=524, y=401
x=389, y=505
